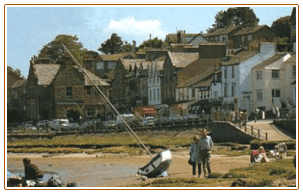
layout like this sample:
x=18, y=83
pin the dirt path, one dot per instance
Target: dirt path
x=111, y=170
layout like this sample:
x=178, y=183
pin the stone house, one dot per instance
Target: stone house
x=174, y=62
x=16, y=102
x=251, y=36
x=223, y=35
x=53, y=90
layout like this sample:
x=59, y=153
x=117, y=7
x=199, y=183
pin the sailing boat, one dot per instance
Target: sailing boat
x=159, y=164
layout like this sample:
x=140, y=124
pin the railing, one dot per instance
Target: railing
x=256, y=132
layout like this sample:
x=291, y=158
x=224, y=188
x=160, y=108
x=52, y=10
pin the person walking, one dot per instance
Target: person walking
x=194, y=155
x=205, y=146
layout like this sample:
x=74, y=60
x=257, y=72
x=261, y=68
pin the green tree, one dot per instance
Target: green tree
x=153, y=43
x=237, y=16
x=282, y=26
x=15, y=71
x=112, y=45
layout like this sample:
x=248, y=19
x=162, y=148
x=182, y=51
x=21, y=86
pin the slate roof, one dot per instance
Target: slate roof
x=198, y=72
x=19, y=83
x=240, y=56
x=113, y=57
x=292, y=59
x=249, y=30
x=96, y=79
x=222, y=31
x=269, y=61
x=45, y=73
x=180, y=59
x=131, y=62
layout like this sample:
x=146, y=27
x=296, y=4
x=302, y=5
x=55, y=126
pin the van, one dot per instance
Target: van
x=57, y=124
x=127, y=117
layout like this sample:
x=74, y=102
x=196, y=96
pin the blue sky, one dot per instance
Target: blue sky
x=29, y=28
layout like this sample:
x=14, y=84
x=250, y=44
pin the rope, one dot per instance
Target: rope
x=134, y=134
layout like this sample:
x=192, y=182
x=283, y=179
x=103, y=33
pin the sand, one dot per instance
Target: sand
x=113, y=170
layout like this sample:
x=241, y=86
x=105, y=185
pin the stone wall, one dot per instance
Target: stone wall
x=226, y=132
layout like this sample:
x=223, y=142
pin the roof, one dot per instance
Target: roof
x=292, y=59
x=96, y=79
x=249, y=30
x=180, y=59
x=239, y=57
x=222, y=31
x=269, y=61
x=131, y=62
x=113, y=57
x=45, y=73
x=198, y=72
x=19, y=83
x=173, y=37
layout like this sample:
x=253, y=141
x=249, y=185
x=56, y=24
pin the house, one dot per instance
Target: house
x=155, y=73
x=270, y=79
x=293, y=28
x=185, y=38
x=223, y=35
x=288, y=77
x=237, y=77
x=174, y=62
x=55, y=90
x=250, y=37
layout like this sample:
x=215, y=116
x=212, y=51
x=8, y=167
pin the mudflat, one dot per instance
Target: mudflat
x=114, y=170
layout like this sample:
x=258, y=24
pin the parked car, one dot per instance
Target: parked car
x=73, y=126
x=110, y=124
x=43, y=123
x=30, y=127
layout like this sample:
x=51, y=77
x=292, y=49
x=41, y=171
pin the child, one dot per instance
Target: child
x=194, y=155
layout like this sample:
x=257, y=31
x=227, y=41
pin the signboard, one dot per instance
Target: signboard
x=247, y=94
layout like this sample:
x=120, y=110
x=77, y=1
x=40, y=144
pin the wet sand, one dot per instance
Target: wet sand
x=114, y=170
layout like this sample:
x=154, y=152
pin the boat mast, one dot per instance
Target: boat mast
x=104, y=96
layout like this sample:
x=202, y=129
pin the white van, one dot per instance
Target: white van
x=57, y=124
x=127, y=117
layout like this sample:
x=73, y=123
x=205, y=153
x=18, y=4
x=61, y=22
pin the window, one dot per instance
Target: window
x=275, y=74
x=225, y=90
x=233, y=71
x=275, y=93
x=258, y=74
x=100, y=65
x=193, y=93
x=90, y=111
x=242, y=38
x=259, y=95
x=249, y=37
x=294, y=71
x=215, y=95
x=225, y=72
x=154, y=94
x=69, y=91
x=158, y=92
x=89, y=90
x=111, y=65
x=150, y=95
x=233, y=89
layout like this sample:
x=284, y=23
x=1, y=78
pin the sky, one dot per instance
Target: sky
x=30, y=28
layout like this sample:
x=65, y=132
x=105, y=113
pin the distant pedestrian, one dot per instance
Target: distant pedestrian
x=205, y=145
x=256, y=113
x=194, y=154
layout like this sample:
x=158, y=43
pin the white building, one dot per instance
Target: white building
x=155, y=71
x=237, y=77
x=272, y=82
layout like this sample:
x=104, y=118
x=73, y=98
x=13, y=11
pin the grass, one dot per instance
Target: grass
x=279, y=173
x=226, y=151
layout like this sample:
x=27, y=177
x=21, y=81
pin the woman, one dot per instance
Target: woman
x=194, y=155
x=258, y=156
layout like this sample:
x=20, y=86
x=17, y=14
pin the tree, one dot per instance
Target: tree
x=238, y=16
x=112, y=45
x=153, y=43
x=282, y=27
x=17, y=71
x=54, y=49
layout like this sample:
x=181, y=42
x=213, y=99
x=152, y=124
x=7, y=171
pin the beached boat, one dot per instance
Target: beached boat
x=157, y=166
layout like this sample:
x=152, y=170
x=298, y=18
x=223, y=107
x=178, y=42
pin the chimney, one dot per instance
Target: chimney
x=134, y=46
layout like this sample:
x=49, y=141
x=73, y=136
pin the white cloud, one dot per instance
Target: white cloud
x=130, y=26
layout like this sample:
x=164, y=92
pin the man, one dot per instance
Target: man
x=31, y=171
x=205, y=146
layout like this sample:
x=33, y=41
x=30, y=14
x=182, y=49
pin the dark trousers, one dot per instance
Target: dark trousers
x=205, y=155
x=199, y=168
